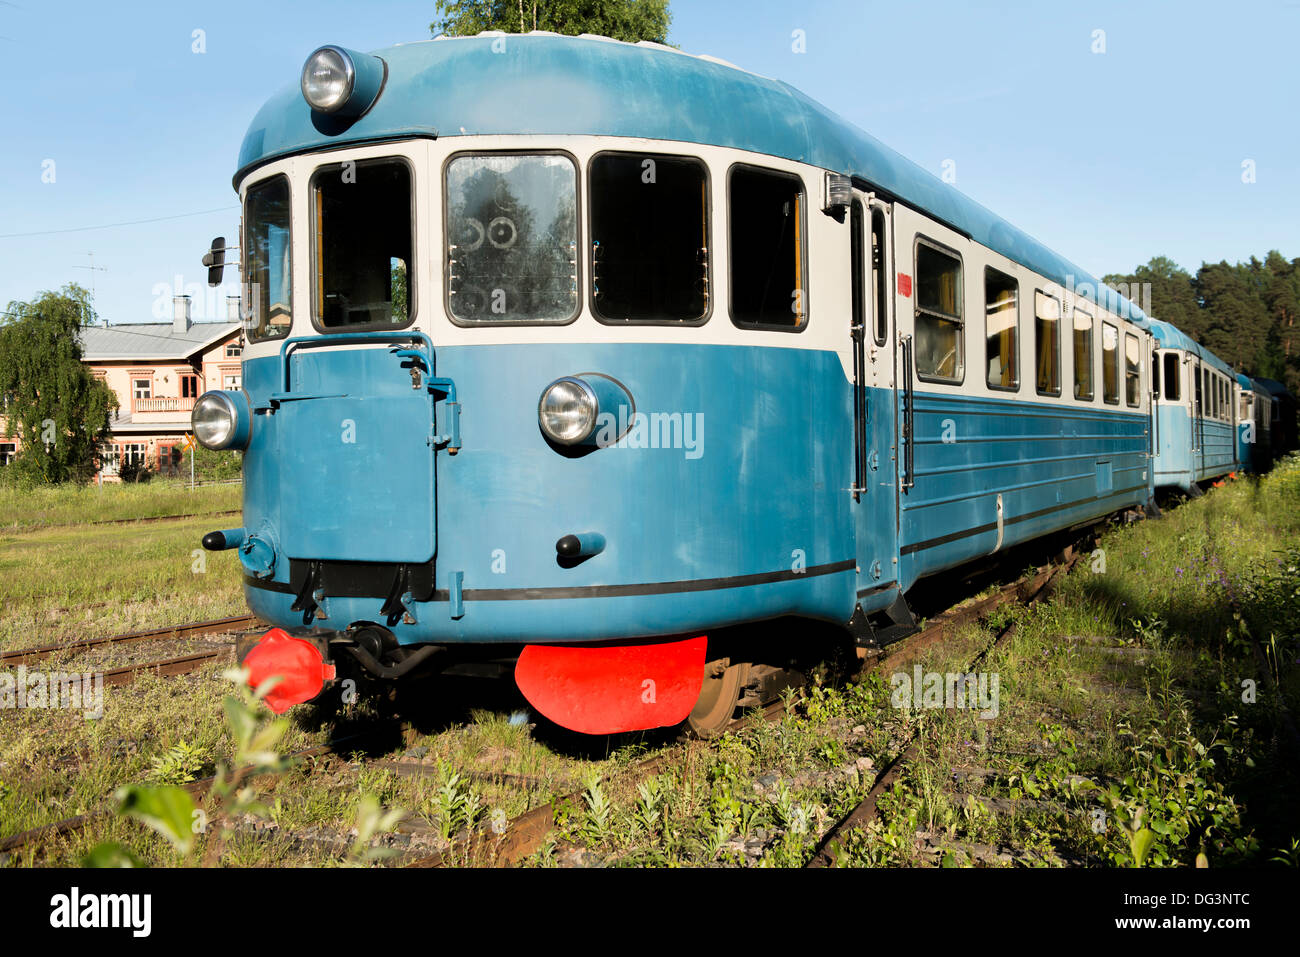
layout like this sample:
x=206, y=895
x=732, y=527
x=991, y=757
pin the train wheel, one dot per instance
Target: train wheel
x=719, y=695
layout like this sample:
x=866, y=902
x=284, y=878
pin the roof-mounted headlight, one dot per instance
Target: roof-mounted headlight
x=342, y=82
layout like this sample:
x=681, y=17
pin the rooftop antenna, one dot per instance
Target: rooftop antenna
x=93, y=269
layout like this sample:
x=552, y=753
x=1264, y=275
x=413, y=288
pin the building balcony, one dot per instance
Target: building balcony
x=164, y=405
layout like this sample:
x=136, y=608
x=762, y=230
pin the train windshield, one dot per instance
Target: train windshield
x=649, y=238
x=512, y=239
x=363, y=235
x=267, y=266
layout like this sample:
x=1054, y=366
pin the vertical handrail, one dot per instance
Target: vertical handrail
x=908, y=423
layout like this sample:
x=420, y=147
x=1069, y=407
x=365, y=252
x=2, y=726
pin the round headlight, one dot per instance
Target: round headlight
x=568, y=410
x=215, y=420
x=327, y=79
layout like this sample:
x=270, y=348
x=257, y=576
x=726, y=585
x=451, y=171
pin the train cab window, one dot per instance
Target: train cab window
x=939, y=335
x=1082, y=356
x=1047, y=343
x=768, y=267
x=1132, y=371
x=1172, y=392
x=362, y=235
x=1110, y=363
x=268, y=287
x=649, y=238
x=1001, y=330
x=512, y=238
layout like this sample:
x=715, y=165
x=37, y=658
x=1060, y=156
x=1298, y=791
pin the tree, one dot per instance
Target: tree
x=56, y=408
x=627, y=20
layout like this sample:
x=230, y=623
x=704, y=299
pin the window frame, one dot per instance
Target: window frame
x=1119, y=377
x=314, y=253
x=1060, y=321
x=247, y=331
x=917, y=241
x=1176, y=378
x=1091, y=397
x=803, y=254
x=1015, y=350
x=579, y=223
x=1137, y=343
x=589, y=260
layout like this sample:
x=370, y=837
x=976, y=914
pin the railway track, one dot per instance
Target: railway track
x=1029, y=592
x=527, y=833
x=197, y=629
x=150, y=520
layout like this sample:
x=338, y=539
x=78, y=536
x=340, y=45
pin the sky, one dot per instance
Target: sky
x=1111, y=131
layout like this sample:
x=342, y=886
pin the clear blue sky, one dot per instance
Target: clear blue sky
x=1108, y=158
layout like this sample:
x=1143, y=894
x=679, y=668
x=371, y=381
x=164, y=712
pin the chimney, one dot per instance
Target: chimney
x=232, y=308
x=180, y=314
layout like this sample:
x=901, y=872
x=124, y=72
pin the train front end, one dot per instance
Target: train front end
x=459, y=452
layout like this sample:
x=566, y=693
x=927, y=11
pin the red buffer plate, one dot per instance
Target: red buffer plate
x=297, y=662
x=608, y=690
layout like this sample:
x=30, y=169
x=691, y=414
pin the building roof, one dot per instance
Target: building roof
x=150, y=340
x=545, y=84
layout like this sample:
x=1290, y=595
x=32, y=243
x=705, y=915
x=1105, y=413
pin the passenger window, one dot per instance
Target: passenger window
x=363, y=236
x=766, y=243
x=1132, y=371
x=512, y=238
x=649, y=238
x=268, y=287
x=879, y=276
x=1047, y=343
x=1155, y=378
x=1001, y=330
x=1110, y=363
x=1082, y=356
x=939, y=355
x=1172, y=391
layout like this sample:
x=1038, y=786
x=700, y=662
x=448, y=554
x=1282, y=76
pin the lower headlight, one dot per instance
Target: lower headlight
x=221, y=420
x=568, y=410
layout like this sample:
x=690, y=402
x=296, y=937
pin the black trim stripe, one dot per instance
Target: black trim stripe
x=615, y=591
x=992, y=526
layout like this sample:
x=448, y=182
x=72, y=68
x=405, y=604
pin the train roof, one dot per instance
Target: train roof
x=547, y=84
x=1169, y=336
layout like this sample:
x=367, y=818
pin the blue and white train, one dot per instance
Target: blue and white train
x=574, y=353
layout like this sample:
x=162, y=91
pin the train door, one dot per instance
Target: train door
x=875, y=419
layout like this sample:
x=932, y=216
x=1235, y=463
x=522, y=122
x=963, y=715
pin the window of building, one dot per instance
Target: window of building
x=363, y=236
x=142, y=388
x=939, y=352
x=1110, y=363
x=512, y=238
x=1132, y=370
x=189, y=387
x=649, y=238
x=768, y=262
x=1047, y=343
x=8, y=451
x=1001, y=330
x=1083, y=355
x=234, y=350
x=267, y=266
x=1172, y=382
x=231, y=381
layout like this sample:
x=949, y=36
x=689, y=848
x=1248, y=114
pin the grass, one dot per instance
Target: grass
x=1124, y=732
x=84, y=581
x=22, y=509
